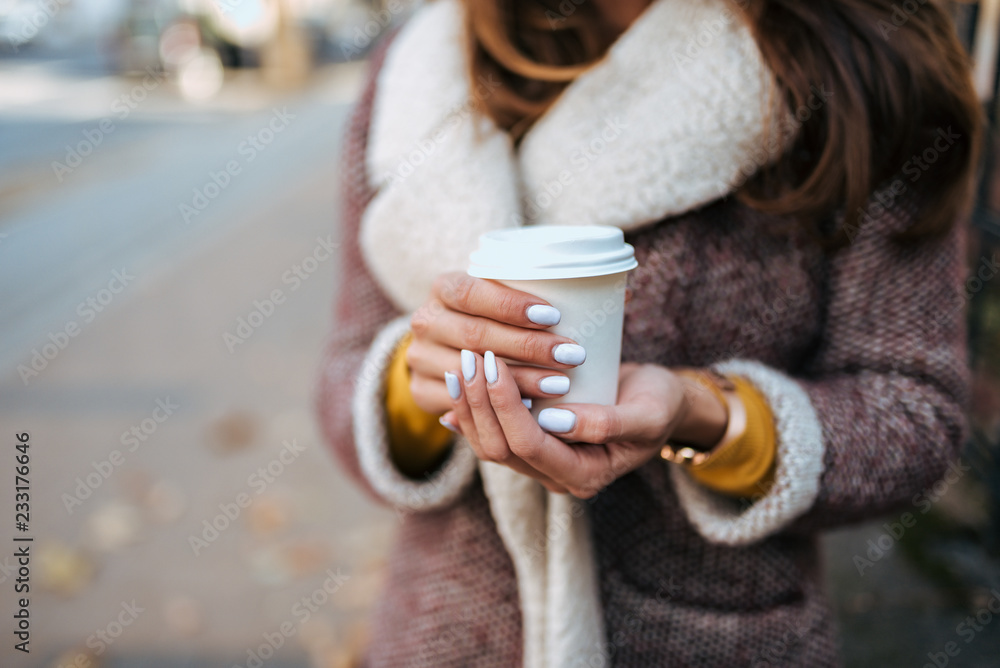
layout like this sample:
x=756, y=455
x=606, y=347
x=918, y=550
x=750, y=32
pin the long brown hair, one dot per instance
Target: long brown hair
x=897, y=83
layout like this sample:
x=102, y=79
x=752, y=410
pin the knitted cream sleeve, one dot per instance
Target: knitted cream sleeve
x=795, y=475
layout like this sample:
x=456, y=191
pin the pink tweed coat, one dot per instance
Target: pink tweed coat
x=860, y=350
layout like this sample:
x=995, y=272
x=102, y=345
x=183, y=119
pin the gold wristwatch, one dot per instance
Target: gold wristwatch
x=736, y=418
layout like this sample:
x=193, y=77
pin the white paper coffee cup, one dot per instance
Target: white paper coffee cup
x=580, y=270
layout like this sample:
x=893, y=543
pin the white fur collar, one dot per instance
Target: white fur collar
x=667, y=122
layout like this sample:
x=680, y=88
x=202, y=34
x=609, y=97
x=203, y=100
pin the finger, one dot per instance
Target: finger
x=591, y=428
x=460, y=414
x=550, y=484
x=592, y=423
x=450, y=421
x=569, y=467
x=432, y=359
x=430, y=394
x=488, y=431
x=495, y=301
x=492, y=446
x=461, y=331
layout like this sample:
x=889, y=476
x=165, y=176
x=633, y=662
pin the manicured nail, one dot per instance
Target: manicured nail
x=468, y=365
x=569, y=353
x=454, y=389
x=447, y=425
x=527, y=403
x=554, y=385
x=557, y=420
x=490, y=367
x=544, y=315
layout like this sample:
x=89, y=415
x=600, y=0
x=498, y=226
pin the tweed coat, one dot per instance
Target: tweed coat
x=860, y=353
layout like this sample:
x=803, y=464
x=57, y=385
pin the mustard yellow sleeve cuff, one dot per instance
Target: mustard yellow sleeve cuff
x=417, y=441
x=744, y=467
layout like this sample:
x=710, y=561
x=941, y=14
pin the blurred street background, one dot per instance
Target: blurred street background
x=168, y=257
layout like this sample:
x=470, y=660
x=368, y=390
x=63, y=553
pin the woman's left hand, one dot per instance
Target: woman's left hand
x=605, y=442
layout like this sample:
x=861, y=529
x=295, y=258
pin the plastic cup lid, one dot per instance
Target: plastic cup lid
x=551, y=252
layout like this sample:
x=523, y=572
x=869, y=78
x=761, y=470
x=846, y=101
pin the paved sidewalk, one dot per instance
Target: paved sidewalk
x=146, y=426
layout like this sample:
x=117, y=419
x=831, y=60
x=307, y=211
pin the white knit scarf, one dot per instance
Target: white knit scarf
x=673, y=118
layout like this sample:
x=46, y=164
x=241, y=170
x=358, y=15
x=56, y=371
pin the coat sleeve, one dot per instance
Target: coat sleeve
x=876, y=416
x=350, y=394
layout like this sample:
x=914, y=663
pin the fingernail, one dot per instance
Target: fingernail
x=490, y=367
x=527, y=403
x=454, y=389
x=569, y=353
x=468, y=365
x=557, y=420
x=554, y=385
x=447, y=425
x=544, y=315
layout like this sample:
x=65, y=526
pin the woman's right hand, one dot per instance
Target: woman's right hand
x=466, y=313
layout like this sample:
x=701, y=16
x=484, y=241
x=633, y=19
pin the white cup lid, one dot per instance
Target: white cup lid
x=551, y=252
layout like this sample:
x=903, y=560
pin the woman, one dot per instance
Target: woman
x=790, y=174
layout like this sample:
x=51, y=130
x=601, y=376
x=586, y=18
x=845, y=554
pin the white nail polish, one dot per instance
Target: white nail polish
x=569, y=353
x=554, y=385
x=454, y=389
x=490, y=367
x=556, y=420
x=447, y=425
x=468, y=365
x=544, y=315
x=527, y=403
